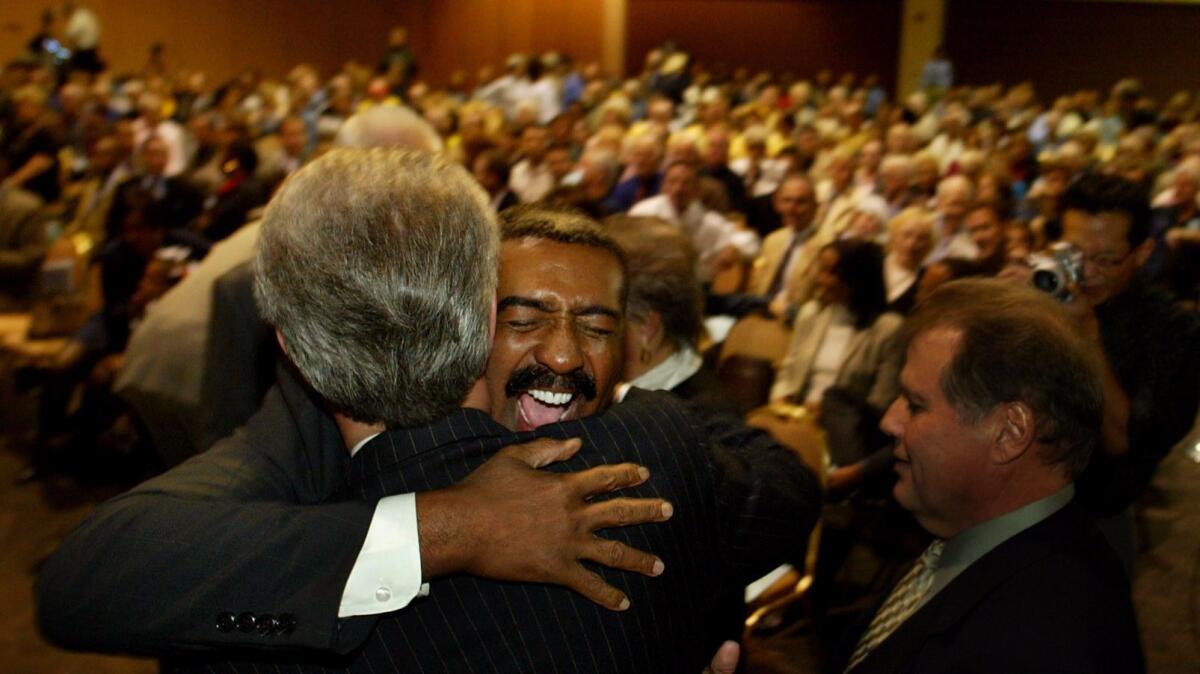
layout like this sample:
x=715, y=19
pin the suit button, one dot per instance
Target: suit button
x=246, y=622
x=226, y=621
x=287, y=623
x=267, y=624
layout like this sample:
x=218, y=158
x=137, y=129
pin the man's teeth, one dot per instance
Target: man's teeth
x=550, y=397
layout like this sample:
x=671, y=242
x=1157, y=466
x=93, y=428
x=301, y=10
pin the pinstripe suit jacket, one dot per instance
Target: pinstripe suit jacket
x=738, y=512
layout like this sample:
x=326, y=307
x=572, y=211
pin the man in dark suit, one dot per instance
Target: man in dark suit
x=736, y=514
x=999, y=411
x=247, y=546
x=175, y=202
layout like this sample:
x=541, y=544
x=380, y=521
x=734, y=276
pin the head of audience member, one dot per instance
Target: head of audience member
x=377, y=268
x=103, y=155
x=1186, y=183
x=559, y=319
x=850, y=273
x=133, y=221
x=681, y=185
x=154, y=156
x=754, y=139
x=716, y=150
x=150, y=108
x=986, y=230
x=999, y=405
x=682, y=148
x=293, y=136
x=869, y=220
x=491, y=171
x=388, y=126
x=665, y=305
x=533, y=144
x=598, y=172
x=1018, y=240
x=29, y=104
x=954, y=196
x=895, y=174
x=841, y=171
x=558, y=160
x=910, y=237
x=925, y=173
x=644, y=156
x=870, y=156
x=1107, y=219
x=795, y=201
x=900, y=140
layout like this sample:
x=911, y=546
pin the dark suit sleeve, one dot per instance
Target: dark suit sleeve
x=245, y=527
x=240, y=360
x=767, y=499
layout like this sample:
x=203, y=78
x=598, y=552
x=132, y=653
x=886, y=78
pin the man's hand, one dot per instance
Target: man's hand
x=726, y=659
x=510, y=521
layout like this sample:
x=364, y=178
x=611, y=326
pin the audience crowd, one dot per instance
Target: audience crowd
x=821, y=208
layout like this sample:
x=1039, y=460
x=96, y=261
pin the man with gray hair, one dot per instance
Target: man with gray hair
x=196, y=369
x=378, y=270
x=955, y=195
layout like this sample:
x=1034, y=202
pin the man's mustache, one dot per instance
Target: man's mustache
x=542, y=377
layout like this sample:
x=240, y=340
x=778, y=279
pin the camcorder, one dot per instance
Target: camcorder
x=1056, y=269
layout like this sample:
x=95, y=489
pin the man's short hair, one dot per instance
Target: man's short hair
x=1017, y=346
x=1096, y=193
x=378, y=267
x=561, y=225
x=662, y=274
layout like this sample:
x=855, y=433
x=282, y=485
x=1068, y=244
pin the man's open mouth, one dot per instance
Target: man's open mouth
x=538, y=407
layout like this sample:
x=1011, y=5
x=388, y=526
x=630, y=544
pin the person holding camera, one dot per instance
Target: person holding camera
x=1147, y=345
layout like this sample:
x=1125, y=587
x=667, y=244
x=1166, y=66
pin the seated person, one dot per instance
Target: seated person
x=909, y=241
x=239, y=193
x=22, y=246
x=719, y=242
x=136, y=265
x=844, y=342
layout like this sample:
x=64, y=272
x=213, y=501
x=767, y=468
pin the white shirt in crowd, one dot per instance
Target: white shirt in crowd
x=529, y=182
x=711, y=233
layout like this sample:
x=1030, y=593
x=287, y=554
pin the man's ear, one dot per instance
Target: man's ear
x=1014, y=430
x=650, y=329
x=282, y=344
x=1143, y=251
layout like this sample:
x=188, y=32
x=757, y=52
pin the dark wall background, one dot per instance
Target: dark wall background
x=1062, y=46
x=802, y=36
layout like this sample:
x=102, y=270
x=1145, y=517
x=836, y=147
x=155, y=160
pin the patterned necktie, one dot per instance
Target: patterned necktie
x=901, y=604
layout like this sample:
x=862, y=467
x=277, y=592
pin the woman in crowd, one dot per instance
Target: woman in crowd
x=664, y=312
x=909, y=241
x=844, y=360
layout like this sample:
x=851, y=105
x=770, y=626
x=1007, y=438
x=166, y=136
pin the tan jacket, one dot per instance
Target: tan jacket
x=774, y=248
x=870, y=365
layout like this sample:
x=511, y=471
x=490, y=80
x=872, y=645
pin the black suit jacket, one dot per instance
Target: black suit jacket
x=253, y=526
x=1053, y=598
x=239, y=366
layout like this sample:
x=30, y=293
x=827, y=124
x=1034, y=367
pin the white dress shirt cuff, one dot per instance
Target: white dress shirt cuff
x=387, y=574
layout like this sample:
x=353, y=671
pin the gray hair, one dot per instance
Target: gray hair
x=661, y=275
x=389, y=125
x=378, y=268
